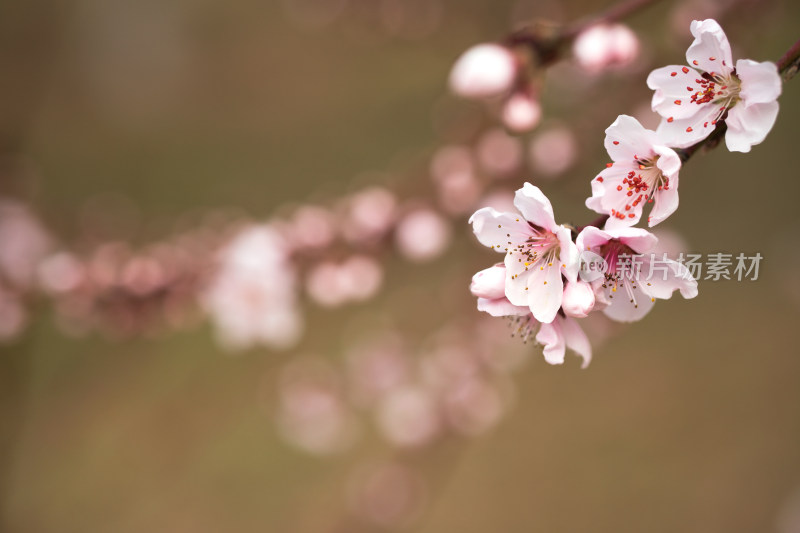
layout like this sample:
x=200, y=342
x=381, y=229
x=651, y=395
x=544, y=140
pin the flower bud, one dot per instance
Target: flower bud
x=521, y=113
x=578, y=300
x=482, y=71
x=604, y=46
x=489, y=283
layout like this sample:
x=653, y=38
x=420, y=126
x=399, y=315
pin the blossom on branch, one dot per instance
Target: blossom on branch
x=561, y=333
x=644, y=170
x=628, y=286
x=693, y=99
x=537, y=251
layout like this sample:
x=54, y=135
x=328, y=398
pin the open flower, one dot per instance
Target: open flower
x=633, y=278
x=538, y=251
x=644, y=170
x=692, y=99
x=562, y=333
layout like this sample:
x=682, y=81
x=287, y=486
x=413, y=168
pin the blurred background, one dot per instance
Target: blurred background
x=146, y=145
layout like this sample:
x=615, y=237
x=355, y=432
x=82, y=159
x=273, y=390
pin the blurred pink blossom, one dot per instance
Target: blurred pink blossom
x=312, y=413
x=483, y=71
x=604, y=46
x=521, y=112
x=408, y=416
x=252, y=298
x=368, y=214
x=552, y=152
x=422, y=235
x=25, y=242
x=499, y=153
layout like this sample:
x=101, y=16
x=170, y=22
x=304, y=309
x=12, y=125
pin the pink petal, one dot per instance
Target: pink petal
x=665, y=202
x=626, y=139
x=623, y=310
x=535, y=207
x=495, y=229
x=761, y=83
x=501, y=307
x=551, y=337
x=545, y=290
x=710, y=51
x=576, y=340
x=748, y=126
x=658, y=284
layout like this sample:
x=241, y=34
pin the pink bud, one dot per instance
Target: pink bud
x=578, y=299
x=482, y=71
x=489, y=283
x=604, y=46
x=521, y=113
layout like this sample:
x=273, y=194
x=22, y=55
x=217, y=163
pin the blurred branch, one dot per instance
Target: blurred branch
x=789, y=64
x=547, y=41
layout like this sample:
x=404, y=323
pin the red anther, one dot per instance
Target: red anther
x=641, y=167
x=714, y=122
x=705, y=124
x=666, y=187
x=650, y=201
x=600, y=179
x=685, y=70
x=694, y=62
x=724, y=87
x=689, y=129
x=616, y=142
x=674, y=74
x=630, y=193
x=670, y=119
x=630, y=215
x=619, y=187
x=712, y=58
x=689, y=89
x=609, y=165
x=677, y=102
x=627, y=207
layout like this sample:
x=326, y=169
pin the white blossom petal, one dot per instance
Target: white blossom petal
x=665, y=202
x=748, y=126
x=626, y=139
x=545, y=291
x=501, y=307
x=535, y=207
x=761, y=82
x=710, y=51
x=576, y=340
x=552, y=339
x=628, y=307
x=661, y=278
x=496, y=229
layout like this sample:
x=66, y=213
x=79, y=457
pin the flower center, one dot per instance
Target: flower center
x=541, y=248
x=717, y=89
x=620, y=276
x=643, y=184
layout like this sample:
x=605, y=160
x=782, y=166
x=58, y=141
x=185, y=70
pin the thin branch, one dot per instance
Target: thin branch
x=548, y=41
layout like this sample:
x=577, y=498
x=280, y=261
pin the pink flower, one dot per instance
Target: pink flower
x=631, y=291
x=644, y=170
x=691, y=100
x=537, y=251
x=483, y=71
x=558, y=335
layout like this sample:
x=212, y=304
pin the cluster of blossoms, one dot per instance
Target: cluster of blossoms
x=541, y=283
